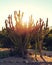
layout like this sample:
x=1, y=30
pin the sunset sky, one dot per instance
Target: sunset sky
x=38, y=8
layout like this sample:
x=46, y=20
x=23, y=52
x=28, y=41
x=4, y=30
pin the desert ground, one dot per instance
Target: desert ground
x=45, y=60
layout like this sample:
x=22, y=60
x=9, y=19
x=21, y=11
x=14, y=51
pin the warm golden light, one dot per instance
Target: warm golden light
x=22, y=23
x=22, y=26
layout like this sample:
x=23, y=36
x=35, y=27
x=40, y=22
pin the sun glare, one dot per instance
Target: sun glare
x=25, y=21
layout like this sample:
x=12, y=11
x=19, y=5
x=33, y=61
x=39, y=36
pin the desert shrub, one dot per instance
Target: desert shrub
x=4, y=54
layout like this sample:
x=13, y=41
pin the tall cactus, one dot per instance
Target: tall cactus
x=10, y=21
x=47, y=23
x=18, y=18
x=31, y=22
x=21, y=36
x=6, y=24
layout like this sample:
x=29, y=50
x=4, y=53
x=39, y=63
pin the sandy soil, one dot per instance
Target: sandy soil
x=44, y=59
x=21, y=61
x=4, y=49
x=31, y=58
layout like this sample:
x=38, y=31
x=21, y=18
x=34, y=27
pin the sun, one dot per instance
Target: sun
x=25, y=21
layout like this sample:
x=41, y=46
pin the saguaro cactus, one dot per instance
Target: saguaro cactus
x=18, y=18
x=21, y=36
x=10, y=21
x=31, y=22
x=6, y=24
x=47, y=23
